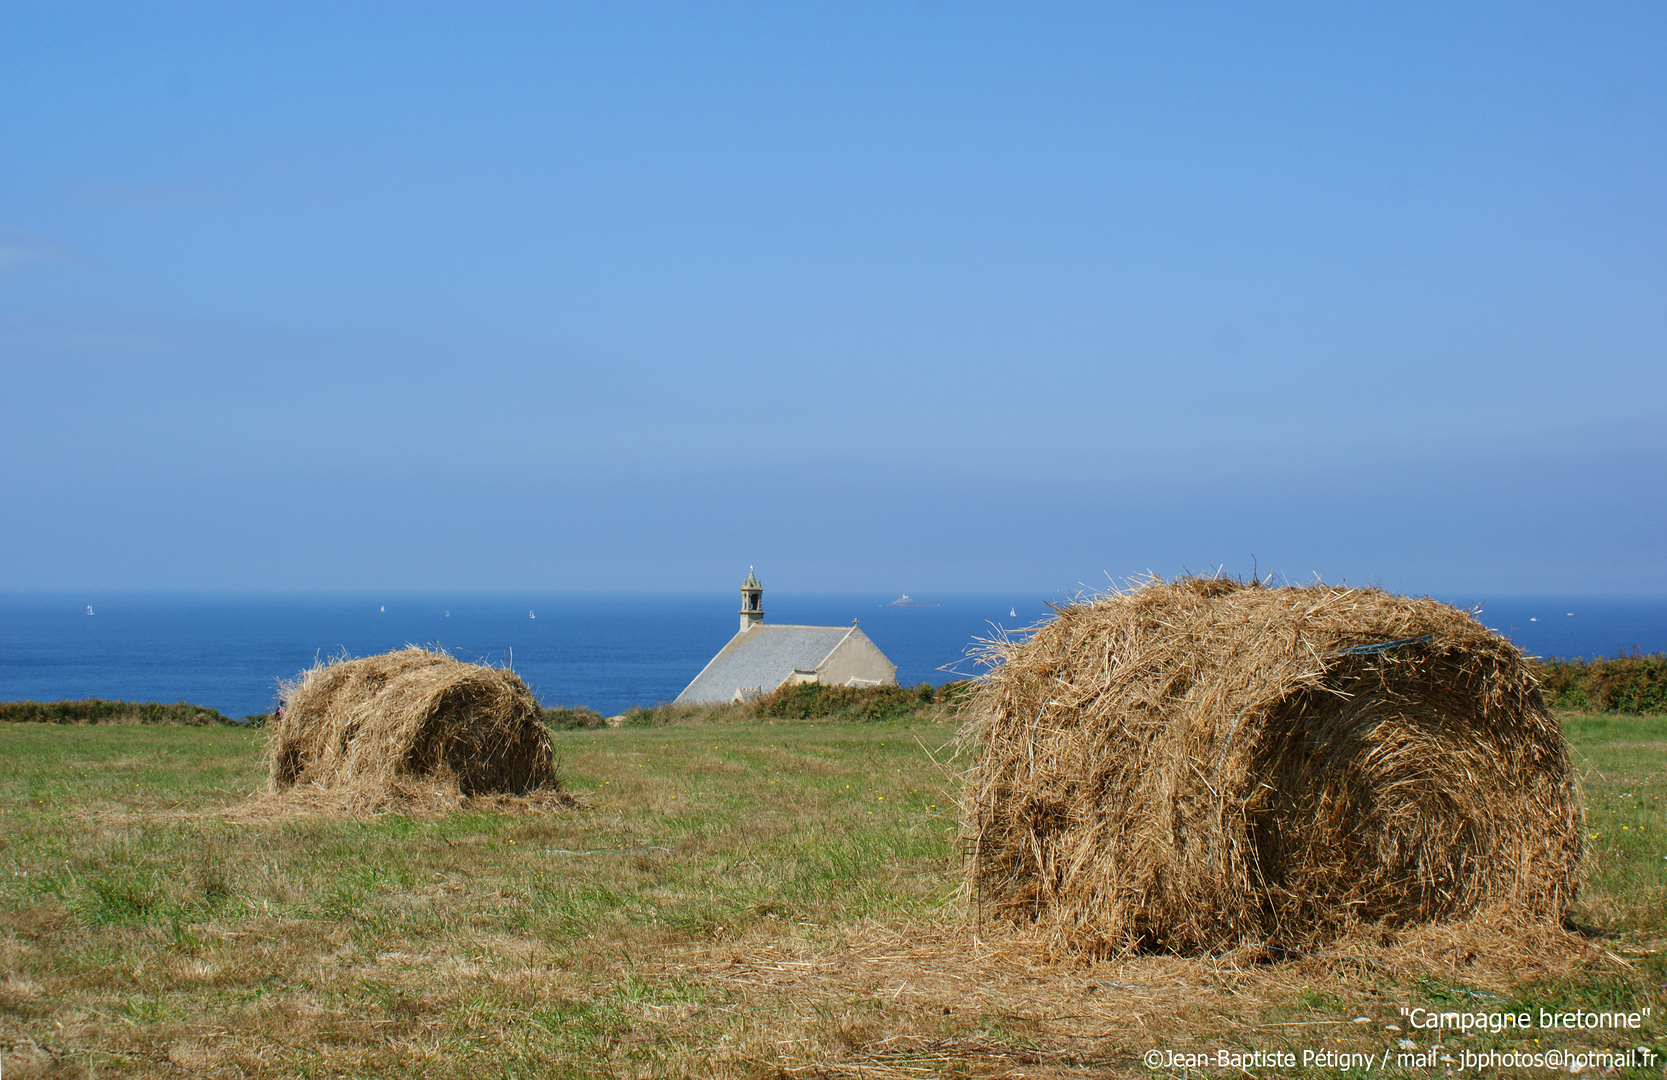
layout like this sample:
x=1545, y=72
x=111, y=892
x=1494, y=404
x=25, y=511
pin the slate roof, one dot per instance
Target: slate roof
x=762, y=657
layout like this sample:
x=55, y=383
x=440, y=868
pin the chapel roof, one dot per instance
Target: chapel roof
x=764, y=656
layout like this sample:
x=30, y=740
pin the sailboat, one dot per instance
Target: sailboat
x=530, y=615
x=1013, y=613
x=89, y=609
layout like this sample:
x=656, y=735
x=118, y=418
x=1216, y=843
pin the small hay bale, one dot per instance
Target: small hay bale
x=1190, y=765
x=388, y=726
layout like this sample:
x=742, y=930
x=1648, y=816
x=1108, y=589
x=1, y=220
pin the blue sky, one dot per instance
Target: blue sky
x=920, y=298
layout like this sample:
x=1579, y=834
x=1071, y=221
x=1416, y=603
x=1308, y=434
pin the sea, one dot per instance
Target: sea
x=230, y=651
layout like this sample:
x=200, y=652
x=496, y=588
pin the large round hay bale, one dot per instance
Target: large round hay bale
x=1201, y=763
x=369, y=724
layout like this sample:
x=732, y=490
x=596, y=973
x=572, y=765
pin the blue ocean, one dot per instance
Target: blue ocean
x=229, y=651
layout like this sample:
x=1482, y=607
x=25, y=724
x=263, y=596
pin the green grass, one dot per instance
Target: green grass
x=742, y=898
x=1624, y=759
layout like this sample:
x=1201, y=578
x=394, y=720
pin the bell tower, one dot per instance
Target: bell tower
x=752, y=602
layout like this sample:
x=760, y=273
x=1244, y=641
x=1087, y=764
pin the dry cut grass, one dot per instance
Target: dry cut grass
x=411, y=725
x=1199, y=764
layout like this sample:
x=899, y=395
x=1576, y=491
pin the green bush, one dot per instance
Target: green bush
x=814, y=701
x=647, y=716
x=1636, y=683
x=562, y=718
x=97, y=711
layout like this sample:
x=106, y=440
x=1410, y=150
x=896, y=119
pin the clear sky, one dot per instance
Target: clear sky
x=899, y=297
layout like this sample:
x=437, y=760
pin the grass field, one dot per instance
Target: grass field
x=742, y=899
